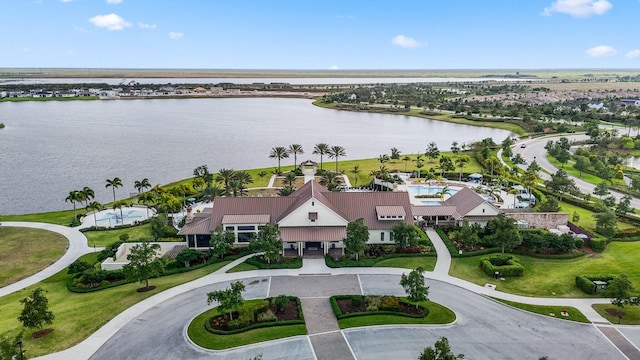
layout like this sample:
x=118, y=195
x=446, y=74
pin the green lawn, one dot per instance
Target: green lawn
x=64, y=217
x=556, y=278
x=428, y=263
x=438, y=314
x=568, y=167
x=25, y=251
x=108, y=237
x=199, y=334
x=80, y=315
x=586, y=217
x=574, y=314
x=242, y=267
x=631, y=314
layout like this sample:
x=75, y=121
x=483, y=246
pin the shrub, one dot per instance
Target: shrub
x=373, y=302
x=585, y=282
x=598, y=244
x=578, y=243
x=390, y=303
x=109, y=251
x=124, y=237
x=78, y=266
x=356, y=300
x=266, y=315
x=281, y=302
x=505, y=265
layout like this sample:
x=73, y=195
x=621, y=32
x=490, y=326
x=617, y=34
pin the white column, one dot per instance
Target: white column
x=326, y=247
x=300, y=248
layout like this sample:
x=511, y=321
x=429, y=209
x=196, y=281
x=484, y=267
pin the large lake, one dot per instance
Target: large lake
x=49, y=148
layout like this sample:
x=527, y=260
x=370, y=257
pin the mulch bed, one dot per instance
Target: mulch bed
x=347, y=307
x=290, y=312
x=41, y=333
x=145, y=289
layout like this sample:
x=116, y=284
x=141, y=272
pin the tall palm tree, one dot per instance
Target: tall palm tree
x=140, y=185
x=295, y=149
x=355, y=171
x=118, y=205
x=87, y=194
x=197, y=183
x=225, y=176
x=262, y=174
x=321, y=149
x=73, y=197
x=114, y=184
x=147, y=198
x=395, y=154
x=95, y=207
x=492, y=164
x=336, y=152
x=236, y=187
x=279, y=152
x=213, y=192
x=529, y=179
x=461, y=161
x=244, y=177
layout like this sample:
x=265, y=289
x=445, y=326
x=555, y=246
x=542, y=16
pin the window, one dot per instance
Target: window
x=229, y=228
x=313, y=216
x=246, y=227
x=382, y=236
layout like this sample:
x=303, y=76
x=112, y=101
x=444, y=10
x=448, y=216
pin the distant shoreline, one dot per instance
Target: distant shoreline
x=267, y=73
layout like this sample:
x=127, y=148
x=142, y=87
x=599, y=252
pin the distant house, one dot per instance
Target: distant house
x=311, y=220
x=629, y=102
x=353, y=97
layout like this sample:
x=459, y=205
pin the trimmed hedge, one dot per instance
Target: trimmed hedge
x=505, y=265
x=585, y=282
x=295, y=263
x=454, y=252
x=253, y=326
x=598, y=244
x=571, y=255
x=340, y=315
x=370, y=262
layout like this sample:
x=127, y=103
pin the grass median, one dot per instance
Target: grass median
x=550, y=311
x=438, y=314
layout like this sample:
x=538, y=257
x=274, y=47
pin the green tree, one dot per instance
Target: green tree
x=140, y=185
x=143, y=263
x=187, y=256
x=467, y=236
x=262, y=174
x=432, y=151
x=286, y=190
x=229, y=299
x=225, y=176
x=461, y=161
x=606, y=223
x=550, y=205
x=624, y=205
x=602, y=190
x=561, y=183
x=10, y=348
x=74, y=197
x=504, y=232
x=581, y=164
x=414, y=286
x=455, y=149
x=575, y=217
x=395, y=154
x=446, y=190
x=279, y=153
x=268, y=241
x=118, y=205
x=336, y=152
x=114, y=184
x=221, y=242
x=441, y=350
x=619, y=290
x=446, y=165
x=321, y=149
x=35, y=312
x=330, y=180
x=290, y=178
x=357, y=235
x=87, y=194
x=405, y=235
x=355, y=171
x=295, y=149
x=492, y=164
x=406, y=160
x=95, y=207
x=202, y=172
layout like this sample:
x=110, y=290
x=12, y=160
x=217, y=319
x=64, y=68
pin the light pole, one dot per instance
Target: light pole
x=19, y=343
x=497, y=273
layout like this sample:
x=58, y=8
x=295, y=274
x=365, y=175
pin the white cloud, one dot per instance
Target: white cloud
x=111, y=22
x=633, y=54
x=26, y=49
x=175, y=35
x=405, y=42
x=146, y=26
x=114, y=1
x=334, y=67
x=601, y=51
x=66, y=1
x=578, y=8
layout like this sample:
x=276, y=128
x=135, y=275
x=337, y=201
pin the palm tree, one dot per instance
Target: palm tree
x=336, y=152
x=395, y=154
x=244, y=177
x=74, y=196
x=321, y=149
x=224, y=176
x=140, y=185
x=330, y=180
x=197, y=183
x=236, y=186
x=213, y=191
x=529, y=179
x=147, y=198
x=444, y=191
x=492, y=164
x=114, y=184
x=295, y=149
x=287, y=190
x=118, y=205
x=279, y=152
x=95, y=207
x=406, y=159
x=290, y=178
x=87, y=194
x=355, y=171
x=461, y=161
x=383, y=158
x=262, y=174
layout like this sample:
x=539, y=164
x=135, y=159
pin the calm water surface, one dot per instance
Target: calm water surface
x=52, y=147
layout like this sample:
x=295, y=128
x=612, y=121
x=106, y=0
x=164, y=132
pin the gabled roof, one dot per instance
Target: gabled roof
x=441, y=210
x=464, y=200
x=357, y=205
x=308, y=191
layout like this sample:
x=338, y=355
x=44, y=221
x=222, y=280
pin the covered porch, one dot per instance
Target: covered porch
x=313, y=240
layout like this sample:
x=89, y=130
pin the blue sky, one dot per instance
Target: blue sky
x=328, y=34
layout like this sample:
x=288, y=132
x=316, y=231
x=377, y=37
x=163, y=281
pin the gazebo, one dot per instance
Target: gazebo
x=475, y=178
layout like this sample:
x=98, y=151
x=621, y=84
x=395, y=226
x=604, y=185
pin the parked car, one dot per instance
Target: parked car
x=523, y=146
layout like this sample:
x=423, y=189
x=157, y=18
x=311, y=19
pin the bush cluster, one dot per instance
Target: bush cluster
x=505, y=265
x=376, y=305
x=598, y=244
x=585, y=282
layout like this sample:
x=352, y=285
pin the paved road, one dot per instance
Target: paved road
x=76, y=248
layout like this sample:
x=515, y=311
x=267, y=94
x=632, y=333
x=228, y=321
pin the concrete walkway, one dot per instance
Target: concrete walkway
x=76, y=248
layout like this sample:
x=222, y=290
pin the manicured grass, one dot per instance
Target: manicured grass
x=199, y=334
x=631, y=314
x=242, y=267
x=108, y=237
x=438, y=314
x=64, y=217
x=574, y=314
x=592, y=179
x=428, y=263
x=80, y=315
x=25, y=251
x=586, y=217
x=544, y=277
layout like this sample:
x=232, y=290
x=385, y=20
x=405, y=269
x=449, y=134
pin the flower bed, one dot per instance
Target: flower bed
x=345, y=306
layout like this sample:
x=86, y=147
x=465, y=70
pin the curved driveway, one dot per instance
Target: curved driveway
x=76, y=248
